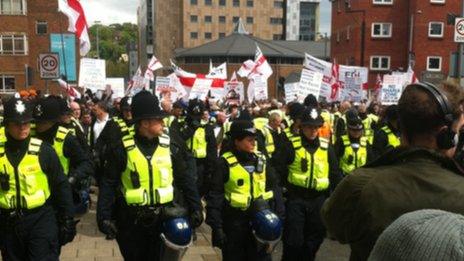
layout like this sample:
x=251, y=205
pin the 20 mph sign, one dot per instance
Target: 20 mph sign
x=49, y=66
x=459, y=30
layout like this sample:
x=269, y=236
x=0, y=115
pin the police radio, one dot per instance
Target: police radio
x=4, y=180
x=304, y=165
x=135, y=178
x=260, y=165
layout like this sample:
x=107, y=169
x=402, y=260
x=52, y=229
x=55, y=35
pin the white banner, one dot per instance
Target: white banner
x=234, y=92
x=117, y=87
x=391, y=89
x=260, y=87
x=139, y=83
x=291, y=92
x=317, y=65
x=352, y=90
x=200, y=89
x=310, y=83
x=92, y=74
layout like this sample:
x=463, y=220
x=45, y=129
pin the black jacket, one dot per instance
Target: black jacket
x=380, y=144
x=60, y=191
x=116, y=163
x=217, y=208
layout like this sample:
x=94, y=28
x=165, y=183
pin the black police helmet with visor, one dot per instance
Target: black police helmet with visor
x=446, y=137
x=17, y=111
x=241, y=129
x=146, y=106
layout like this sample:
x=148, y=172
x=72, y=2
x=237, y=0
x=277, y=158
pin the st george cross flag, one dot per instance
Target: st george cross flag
x=335, y=81
x=73, y=93
x=412, y=75
x=77, y=22
x=153, y=65
x=259, y=66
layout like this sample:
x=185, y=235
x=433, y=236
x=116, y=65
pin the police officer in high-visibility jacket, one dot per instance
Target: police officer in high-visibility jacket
x=200, y=139
x=353, y=149
x=124, y=120
x=141, y=185
x=388, y=136
x=313, y=172
x=76, y=163
x=243, y=183
x=369, y=121
x=36, y=209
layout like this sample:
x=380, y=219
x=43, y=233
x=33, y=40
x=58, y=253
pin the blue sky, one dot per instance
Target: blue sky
x=120, y=11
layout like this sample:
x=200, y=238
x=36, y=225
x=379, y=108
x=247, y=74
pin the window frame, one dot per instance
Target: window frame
x=248, y=3
x=380, y=57
x=222, y=1
x=210, y=20
x=193, y=2
x=219, y=19
x=3, y=78
x=435, y=35
x=381, y=35
x=14, y=37
x=382, y=2
x=208, y=2
x=440, y=63
x=194, y=20
x=191, y=35
x=236, y=3
x=22, y=12
x=37, y=23
x=439, y=2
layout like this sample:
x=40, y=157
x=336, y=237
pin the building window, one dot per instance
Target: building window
x=193, y=35
x=235, y=19
x=382, y=2
x=381, y=30
x=278, y=4
x=434, y=63
x=41, y=27
x=13, y=44
x=193, y=19
x=436, y=29
x=249, y=20
x=208, y=19
x=222, y=19
x=208, y=2
x=437, y=1
x=380, y=63
x=193, y=2
x=236, y=2
x=222, y=35
x=12, y=7
x=277, y=37
x=208, y=35
x=275, y=20
x=250, y=3
x=222, y=2
x=7, y=82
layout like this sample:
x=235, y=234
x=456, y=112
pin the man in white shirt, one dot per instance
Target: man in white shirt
x=100, y=111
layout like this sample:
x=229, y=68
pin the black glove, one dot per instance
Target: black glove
x=218, y=238
x=108, y=227
x=67, y=230
x=196, y=218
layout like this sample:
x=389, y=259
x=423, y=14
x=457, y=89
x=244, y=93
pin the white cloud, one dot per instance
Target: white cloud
x=110, y=11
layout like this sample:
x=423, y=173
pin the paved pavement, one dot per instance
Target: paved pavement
x=91, y=245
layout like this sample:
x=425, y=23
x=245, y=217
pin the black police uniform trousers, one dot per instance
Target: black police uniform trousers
x=240, y=241
x=203, y=180
x=304, y=231
x=34, y=236
x=138, y=240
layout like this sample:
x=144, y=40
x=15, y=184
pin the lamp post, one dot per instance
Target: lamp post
x=97, y=23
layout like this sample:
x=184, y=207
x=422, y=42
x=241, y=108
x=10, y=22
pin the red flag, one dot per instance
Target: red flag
x=77, y=22
x=335, y=80
x=413, y=75
x=378, y=82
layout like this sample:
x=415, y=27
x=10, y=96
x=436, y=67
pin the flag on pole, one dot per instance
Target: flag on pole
x=77, y=22
x=378, y=82
x=413, y=75
x=153, y=65
x=335, y=83
x=219, y=72
x=259, y=66
x=73, y=93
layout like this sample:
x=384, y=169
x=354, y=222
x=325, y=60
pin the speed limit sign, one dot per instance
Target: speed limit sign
x=49, y=65
x=459, y=30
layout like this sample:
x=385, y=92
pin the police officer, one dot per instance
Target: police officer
x=124, y=120
x=68, y=120
x=312, y=173
x=369, y=121
x=75, y=162
x=242, y=184
x=353, y=149
x=388, y=136
x=36, y=210
x=200, y=140
x=145, y=177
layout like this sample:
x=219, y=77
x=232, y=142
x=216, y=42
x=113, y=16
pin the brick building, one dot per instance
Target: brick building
x=396, y=32
x=168, y=25
x=25, y=28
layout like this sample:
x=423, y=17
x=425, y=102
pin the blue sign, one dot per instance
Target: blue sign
x=65, y=46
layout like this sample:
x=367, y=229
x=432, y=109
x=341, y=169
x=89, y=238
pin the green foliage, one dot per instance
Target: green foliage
x=113, y=40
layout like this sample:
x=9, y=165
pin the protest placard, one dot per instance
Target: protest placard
x=310, y=83
x=352, y=90
x=291, y=92
x=200, y=89
x=391, y=89
x=234, y=92
x=259, y=87
x=92, y=74
x=117, y=87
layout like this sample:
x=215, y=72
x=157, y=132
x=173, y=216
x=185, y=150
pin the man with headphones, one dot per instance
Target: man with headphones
x=416, y=175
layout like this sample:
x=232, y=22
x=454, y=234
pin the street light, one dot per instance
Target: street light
x=97, y=23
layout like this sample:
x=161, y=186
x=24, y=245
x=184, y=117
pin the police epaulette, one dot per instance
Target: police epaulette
x=230, y=158
x=324, y=144
x=128, y=142
x=34, y=147
x=164, y=141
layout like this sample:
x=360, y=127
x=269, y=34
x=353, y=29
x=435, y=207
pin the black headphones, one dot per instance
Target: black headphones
x=445, y=138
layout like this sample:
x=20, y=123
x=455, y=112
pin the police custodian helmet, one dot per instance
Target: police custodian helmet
x=17, y=110
x=146, y=106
